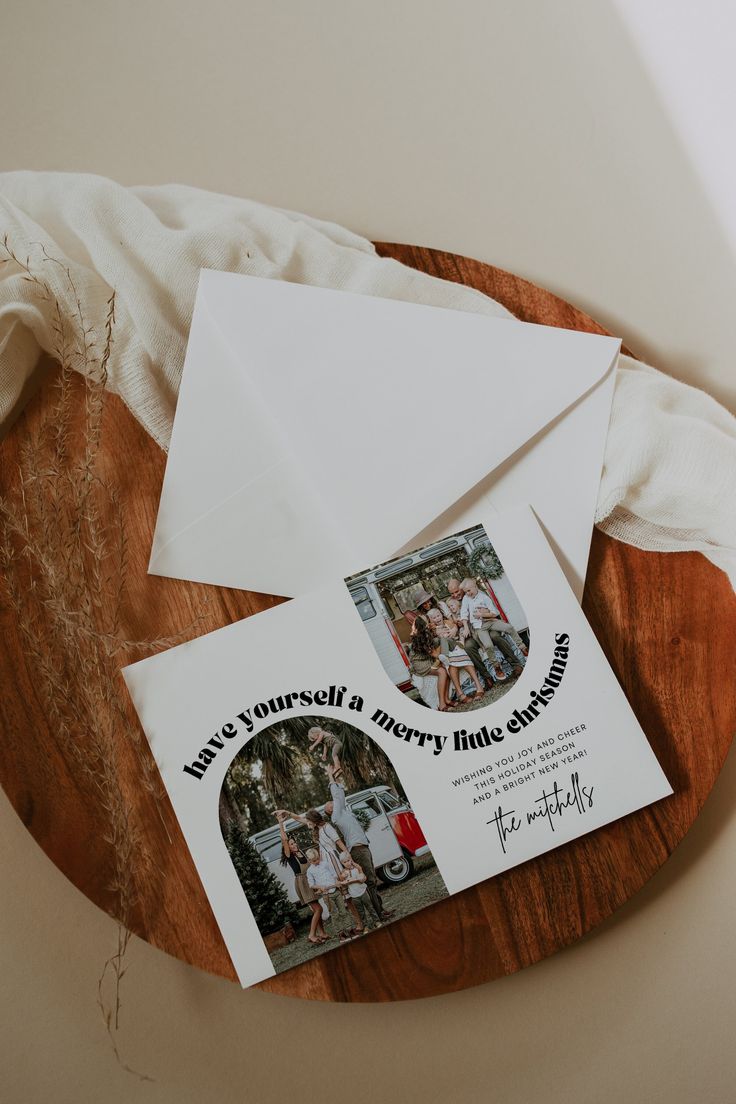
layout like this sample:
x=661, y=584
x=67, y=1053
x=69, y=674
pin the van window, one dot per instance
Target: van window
x=369, y=805
x=364, y=605
x=390, y=801
x=269, y=850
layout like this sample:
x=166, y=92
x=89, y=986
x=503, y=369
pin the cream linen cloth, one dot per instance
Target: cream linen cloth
x=669, y=477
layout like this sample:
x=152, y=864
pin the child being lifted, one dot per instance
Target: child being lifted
x=330, y=742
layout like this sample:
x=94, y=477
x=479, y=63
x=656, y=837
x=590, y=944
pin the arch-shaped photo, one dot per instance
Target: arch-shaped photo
x=445, y=622
x=322, y=837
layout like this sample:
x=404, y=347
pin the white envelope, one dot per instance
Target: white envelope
x=321, y=431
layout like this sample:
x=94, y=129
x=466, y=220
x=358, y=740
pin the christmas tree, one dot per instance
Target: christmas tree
x=266, y=895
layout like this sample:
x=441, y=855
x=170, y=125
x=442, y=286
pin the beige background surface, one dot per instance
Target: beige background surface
x=529, y=135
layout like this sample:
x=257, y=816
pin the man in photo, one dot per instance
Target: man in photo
x=356, y=841
x=480, y=617
x=455, y=591
x=427, y=601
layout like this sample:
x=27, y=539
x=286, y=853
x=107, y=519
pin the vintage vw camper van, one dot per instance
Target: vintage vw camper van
x=382, y=595
x=394, y=837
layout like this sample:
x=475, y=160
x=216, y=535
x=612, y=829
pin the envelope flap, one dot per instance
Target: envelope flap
x=394, y=409
x=251, y=537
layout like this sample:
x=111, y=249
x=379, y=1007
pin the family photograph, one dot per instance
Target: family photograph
x=322, y=838
x=445, y=621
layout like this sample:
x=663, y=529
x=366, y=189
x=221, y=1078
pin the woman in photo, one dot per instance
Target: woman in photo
x=425, y=662
x=325, y=837
x=324, y=834
x=293, y=857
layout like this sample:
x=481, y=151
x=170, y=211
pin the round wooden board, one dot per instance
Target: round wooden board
x=666, y=622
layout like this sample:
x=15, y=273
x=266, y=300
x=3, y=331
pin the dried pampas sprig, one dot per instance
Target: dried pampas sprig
x=63, y=557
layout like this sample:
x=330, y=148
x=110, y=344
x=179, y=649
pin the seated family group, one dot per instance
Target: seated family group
x=335, y=877
x=464, y=633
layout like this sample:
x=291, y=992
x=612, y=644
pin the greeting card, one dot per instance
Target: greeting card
x=354, y=755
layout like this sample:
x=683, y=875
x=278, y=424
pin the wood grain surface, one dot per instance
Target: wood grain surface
x=667, y=624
